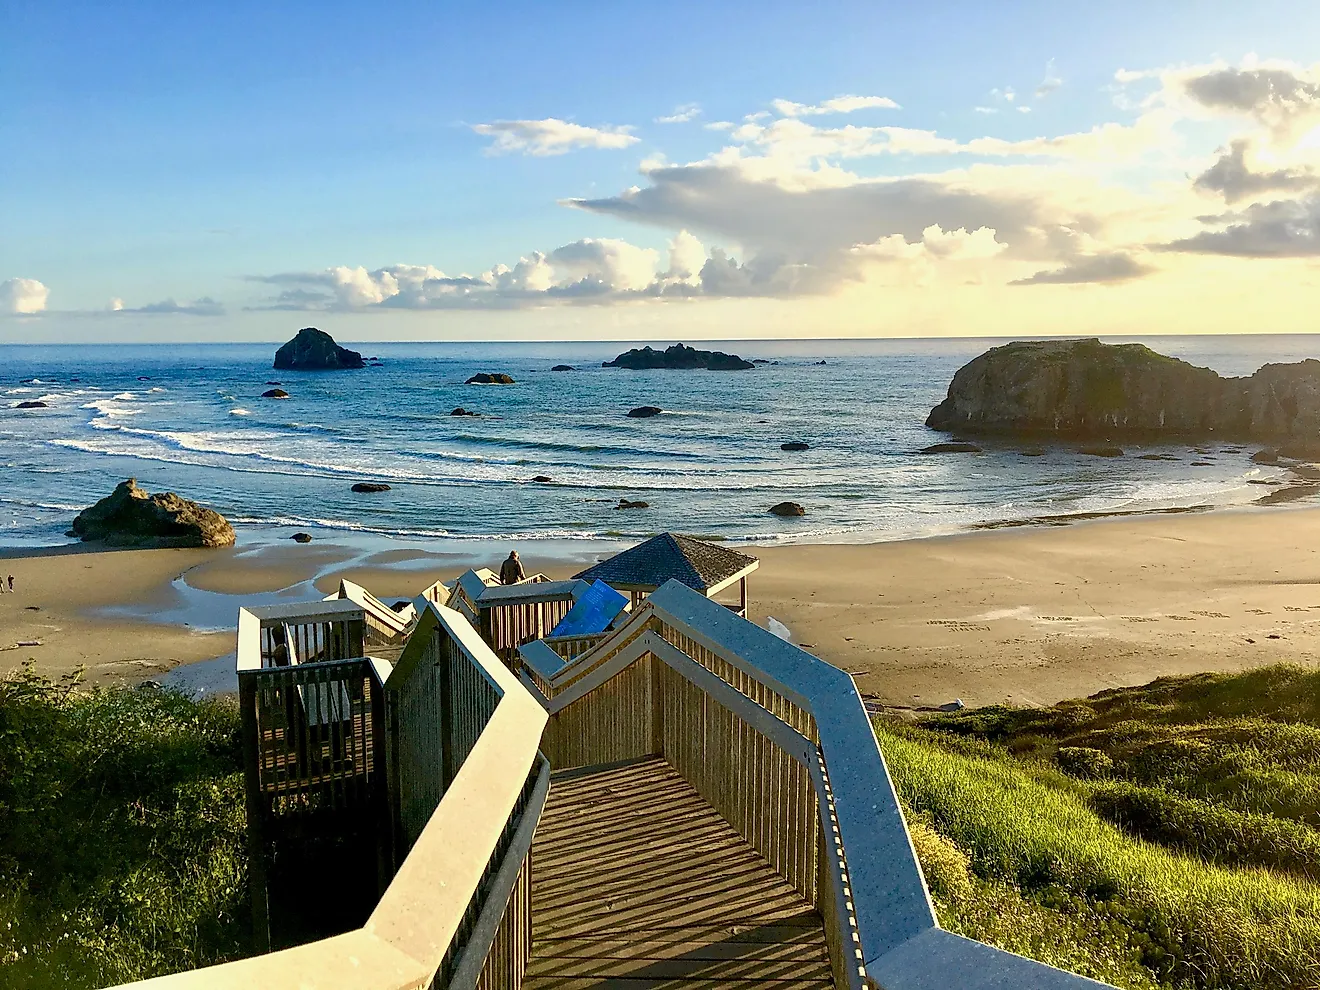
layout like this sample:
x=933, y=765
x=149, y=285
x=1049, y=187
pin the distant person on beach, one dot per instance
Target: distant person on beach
x=11, y=584
x=511, y=571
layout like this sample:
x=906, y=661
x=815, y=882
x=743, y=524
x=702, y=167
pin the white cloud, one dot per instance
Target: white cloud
x=551, y=136
x=681, y=115
x=1281, y=97
x=23, y=296
x=840, y=104
x=1050, y=83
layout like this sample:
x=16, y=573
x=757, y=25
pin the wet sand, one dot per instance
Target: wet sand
x=1024, y=615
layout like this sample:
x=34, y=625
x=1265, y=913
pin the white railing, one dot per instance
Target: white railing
x=457, y=912
x=779, y=743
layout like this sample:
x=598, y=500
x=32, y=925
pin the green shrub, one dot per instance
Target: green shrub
x=1084, y=762
x=1218, y=835
x=122, y=852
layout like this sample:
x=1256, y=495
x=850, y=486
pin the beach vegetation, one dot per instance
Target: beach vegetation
x=122, y=825
x=1163, y=835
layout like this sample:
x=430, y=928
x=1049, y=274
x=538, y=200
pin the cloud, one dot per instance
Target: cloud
x=205, y=306
x=586, y=270
x=1050, y=83
x=1114, y=267
x=1282, y=97
x=1281, y=229
x=1232, y=177
x=551, y=136
x=23, y=296
x=681, y=115
x=840, y=104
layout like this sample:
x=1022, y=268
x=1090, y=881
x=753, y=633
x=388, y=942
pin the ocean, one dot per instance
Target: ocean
x=190, y=418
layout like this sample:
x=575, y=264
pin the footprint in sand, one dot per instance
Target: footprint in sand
x=1057, y=618
x=1258, y=611
x=1294, y=608
x=1140, y=618
x=1181, y=618
x=957, y=626
x=1209, y=615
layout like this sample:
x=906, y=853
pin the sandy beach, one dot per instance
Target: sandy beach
x=1024, y=616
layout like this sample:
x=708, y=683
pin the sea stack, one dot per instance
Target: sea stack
x=1088, y=389
x=130, y=517
x=677, y=356
x=316, y=350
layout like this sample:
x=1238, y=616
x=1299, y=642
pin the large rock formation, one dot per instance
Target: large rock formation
x=1083, y=388
x=129, y=517
x=678, y=356
x=316, y=350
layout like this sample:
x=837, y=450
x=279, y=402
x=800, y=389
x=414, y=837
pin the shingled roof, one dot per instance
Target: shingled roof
x=648, y=565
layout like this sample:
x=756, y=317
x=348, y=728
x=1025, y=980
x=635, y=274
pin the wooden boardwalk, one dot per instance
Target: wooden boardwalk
x=637, y=883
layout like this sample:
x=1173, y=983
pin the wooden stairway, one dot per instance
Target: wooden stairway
x=638, y=883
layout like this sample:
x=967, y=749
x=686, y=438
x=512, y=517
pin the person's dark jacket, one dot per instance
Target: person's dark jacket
x=511, y=571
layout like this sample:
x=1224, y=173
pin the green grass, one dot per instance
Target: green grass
x=1153, y=836
x=121, y=834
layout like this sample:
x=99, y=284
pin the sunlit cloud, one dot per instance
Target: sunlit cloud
x=551, y=136
x=23, y=297
x=839, y=104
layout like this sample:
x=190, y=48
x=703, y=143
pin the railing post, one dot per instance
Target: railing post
x=256, y=813
x=380, y=781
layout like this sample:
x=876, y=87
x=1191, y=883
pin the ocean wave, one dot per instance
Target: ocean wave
x=240, y=412
x=126, y=397
x=53, y=506
x=156, y=389
x=347, y=525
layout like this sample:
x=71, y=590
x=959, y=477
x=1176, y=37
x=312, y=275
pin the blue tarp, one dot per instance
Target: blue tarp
x=592, y=613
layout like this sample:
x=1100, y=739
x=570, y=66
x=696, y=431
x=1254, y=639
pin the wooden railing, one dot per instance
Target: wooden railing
x=446, y=740
x=780, y=744
x=511, y=615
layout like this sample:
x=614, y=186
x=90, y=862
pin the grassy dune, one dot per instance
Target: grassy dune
x=121, y=834
x=1154, y=836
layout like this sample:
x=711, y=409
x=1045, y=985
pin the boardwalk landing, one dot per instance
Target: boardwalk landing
x=638, y=883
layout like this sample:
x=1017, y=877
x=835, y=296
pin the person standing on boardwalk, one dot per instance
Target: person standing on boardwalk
x=511, y=571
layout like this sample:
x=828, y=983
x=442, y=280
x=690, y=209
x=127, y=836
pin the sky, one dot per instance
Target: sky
x=234, y=171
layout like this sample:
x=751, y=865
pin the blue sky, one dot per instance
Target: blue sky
x=187, y=152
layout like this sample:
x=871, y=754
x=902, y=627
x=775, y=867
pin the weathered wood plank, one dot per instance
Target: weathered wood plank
x=638, y=883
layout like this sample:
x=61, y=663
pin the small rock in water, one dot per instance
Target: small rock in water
x=644, y=412
x=950, y=448
x=485, y=378
x=626, y=504
x=795, y=445
x=460, y=411
x=1106, y=450
x=371, y=486
x=275, y=393
x=563, y=367
x=787, y=509
x=32, y=404
x=1157, y=457
x=1203, y=464
x=301, y=537
x=1033, y=452
x=543, y=478
x=1267, y=455
x=274, y=383
x=822, y=362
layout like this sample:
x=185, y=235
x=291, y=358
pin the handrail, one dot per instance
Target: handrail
x=882, y=905
x=374, y=607
x=442, y=897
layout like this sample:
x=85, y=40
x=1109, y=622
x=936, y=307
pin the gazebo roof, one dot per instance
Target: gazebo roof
x=701, y=566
